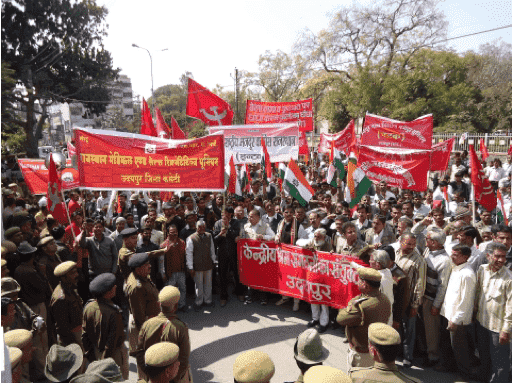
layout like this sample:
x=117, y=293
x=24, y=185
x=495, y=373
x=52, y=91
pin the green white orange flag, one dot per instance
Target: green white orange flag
x=441, y=198
x=501, y=211
x=296, y=185
x=358, y=183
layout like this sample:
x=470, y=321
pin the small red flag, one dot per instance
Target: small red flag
x=54, y=186
x=166, y=196
x=162, y=129
x=207, y=106
x=232, y=176
x=266, y=166
x=119, y=207
x=177, y=133
x=484, y=193
x=147, y=127
x=509, y=151
x=483, y=150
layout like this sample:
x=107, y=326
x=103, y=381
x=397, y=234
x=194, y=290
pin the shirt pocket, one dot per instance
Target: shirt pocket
x=495, y=301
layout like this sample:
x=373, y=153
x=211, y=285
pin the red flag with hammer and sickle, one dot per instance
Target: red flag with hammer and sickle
x=484, y=193
x=207, y=106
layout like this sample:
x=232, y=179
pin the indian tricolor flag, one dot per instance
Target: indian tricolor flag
x=296, y=185
x=336, y=165
x=501, y=212
x=357, y=182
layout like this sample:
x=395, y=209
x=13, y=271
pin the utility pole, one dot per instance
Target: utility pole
x=237, y=115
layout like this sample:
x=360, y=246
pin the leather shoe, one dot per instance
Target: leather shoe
x=334, y=325
x=312, y=323
x=241, y=298
x=223, y=302
x=210, y=305
x=247, y=301
x=322, y=329
x=197, y=308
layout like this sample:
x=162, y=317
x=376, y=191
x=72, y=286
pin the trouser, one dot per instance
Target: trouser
x=120, y=356
x=40, y=342
x=133, y=334
x=227, y=262
x=432, y=324
x=122, y=300
x=409, y=336
x=178, y=279
x=358, y=359
x=203, y=282
x=83, y=280
x=320, y=313
x=454, y=347
x=494, y=357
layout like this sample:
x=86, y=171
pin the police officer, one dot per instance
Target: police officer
x=325, y=374
x=166, y=327
x=127, y=250
x=309, y=352
x=15, y=357
x=162, y=362
x=103, y=335
x=142, y=295
x=369, y=307
x=66, y=306
x=63, y=363
x=253, y=367
x=384, y=344
x=23, y=340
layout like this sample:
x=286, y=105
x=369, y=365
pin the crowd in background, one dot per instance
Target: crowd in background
x=444, y=271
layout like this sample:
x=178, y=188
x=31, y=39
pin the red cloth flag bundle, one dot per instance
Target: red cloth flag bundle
x=483, y=150
x=177, y=133
x=147, y=127
x=484, y=193
x=162, y=129
x=266, y=166
x=207, y=106
x=54, y=186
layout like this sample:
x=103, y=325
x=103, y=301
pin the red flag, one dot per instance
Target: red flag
x=71, y=150
x=483, y=150
x=249, y=178
x=166, y=196
x=177, y=133
x=303, y=145
x=331, y=154
x=509, y=151
x=119, y=207
x=147, y=127
x=207, y=106
x=232, y=176
x=162, y=129
x=484, y=193
x=440, y=156
x=54, y=186
x=266, y=166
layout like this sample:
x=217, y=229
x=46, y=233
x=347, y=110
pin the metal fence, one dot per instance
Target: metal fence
x=495, y=143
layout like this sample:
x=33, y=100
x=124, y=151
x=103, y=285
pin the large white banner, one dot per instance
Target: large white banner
x=243, y=142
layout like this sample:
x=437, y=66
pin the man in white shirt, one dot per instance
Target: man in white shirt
x=314, y=220
x=419, y=207
x=467, y=237
x=102, y=201
x=271, y=218
x=456, y=314
x=493, y=307
x=456, y=167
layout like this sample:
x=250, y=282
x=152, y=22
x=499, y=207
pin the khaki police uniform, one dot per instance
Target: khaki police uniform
x=66, y=308
x=380, y=372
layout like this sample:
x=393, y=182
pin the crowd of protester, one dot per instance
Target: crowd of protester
x=439, y=276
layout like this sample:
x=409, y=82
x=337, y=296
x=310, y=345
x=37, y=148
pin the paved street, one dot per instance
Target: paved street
x=219, y=335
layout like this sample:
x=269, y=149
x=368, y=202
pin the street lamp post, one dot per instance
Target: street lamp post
x=151, y=62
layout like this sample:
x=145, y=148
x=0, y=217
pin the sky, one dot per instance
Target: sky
x=211, y=38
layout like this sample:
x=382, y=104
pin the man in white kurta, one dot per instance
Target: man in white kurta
x=456, y=314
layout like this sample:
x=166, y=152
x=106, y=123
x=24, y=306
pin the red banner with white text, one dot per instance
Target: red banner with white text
x=388, y=133
x=301, y=112
x=344, y=141
x=36, y=175
x=314, y=276
x=440, y=156
x=124, y=161
x=402, y=168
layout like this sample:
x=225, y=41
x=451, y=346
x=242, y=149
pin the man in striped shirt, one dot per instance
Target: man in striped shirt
x=415, y=268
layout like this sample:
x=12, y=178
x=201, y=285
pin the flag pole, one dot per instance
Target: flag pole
x=67, y=213
x=474, y=205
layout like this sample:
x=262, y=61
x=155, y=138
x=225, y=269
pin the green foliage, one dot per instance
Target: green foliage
x=59, y=56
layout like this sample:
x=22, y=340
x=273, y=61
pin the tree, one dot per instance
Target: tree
x=280, y=76
x=58, y=57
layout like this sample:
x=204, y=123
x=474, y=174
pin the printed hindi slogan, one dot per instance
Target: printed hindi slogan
x=131, y=161
x=300, y=112
x=243, y=142
x=314, y=276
